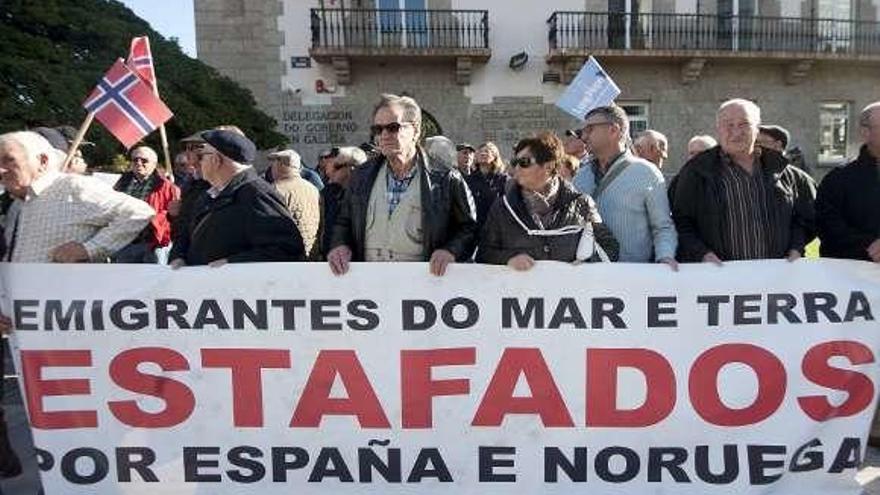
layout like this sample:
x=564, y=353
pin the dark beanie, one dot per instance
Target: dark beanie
x=231, y=145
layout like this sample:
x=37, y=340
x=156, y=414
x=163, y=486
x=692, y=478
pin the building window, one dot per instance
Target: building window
x=833, y=25
x=833, y=131
x=638, y=117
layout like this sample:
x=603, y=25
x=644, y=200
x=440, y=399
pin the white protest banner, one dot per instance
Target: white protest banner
x=591, y=88
x=752, y=378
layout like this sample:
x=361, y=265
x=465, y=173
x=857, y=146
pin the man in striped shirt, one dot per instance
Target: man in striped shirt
x=738, y=201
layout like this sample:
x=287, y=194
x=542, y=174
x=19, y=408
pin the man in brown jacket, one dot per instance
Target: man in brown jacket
x=302, y=198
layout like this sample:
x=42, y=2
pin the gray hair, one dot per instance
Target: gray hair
x=651, y=136
x=35, y=145
x=151, y=154
x=351, y=155
x=615, y=114
x=441, y=149
x=865, y=116
x=288, y=158
x=750, y=107
x=704, y=140
x=412, y=112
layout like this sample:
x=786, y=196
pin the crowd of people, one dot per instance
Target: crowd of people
x=592, y=195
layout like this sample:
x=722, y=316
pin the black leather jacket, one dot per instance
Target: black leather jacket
x=449, y=219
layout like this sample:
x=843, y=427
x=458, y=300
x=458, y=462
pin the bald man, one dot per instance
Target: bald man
x=848, y=206
x=652, y=146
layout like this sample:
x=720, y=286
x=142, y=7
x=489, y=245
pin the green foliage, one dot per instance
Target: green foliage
x=119, y=165
x=52, y=53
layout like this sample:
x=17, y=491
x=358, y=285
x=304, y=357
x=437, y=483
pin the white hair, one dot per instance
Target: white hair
x=151, y=154
x=751, y=108
x=704, y=140
x=351, y=155
x=35, y=145
x=865, y=116
x=652, y=137
x=441, y=149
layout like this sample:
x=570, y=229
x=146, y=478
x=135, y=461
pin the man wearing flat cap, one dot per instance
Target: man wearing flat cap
x=772, y=137
x=243, y=219
x=301, y=198
x=466, y=155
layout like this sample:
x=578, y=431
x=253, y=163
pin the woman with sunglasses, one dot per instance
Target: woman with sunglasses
x=541, y=216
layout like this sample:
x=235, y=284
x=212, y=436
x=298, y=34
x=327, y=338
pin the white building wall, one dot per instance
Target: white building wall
x=513, y=30
x=295, y=23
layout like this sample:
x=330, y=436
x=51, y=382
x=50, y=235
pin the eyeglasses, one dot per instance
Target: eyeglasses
x=523, y=161
x=393, y=127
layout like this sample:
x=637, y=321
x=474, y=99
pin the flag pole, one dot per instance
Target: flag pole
x=168, y=171
x=80, y=134
x=164, y=135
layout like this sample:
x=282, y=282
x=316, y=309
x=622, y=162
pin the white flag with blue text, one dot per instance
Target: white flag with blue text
x=591, y=88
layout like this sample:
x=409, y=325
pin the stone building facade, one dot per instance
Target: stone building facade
x=493, y=69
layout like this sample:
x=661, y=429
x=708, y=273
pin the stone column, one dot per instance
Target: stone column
x=242, y=41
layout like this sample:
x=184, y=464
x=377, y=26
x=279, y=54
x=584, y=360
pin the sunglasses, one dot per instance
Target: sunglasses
x=393, y=128
x=523, y=161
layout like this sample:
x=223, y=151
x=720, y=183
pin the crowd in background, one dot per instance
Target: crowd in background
x=591, y=195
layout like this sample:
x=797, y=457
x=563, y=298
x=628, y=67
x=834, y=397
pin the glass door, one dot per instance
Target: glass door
x=736, y=24
x=402, y=23
x=627, y=28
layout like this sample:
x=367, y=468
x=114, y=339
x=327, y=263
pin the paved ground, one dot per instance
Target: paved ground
x=28, y=484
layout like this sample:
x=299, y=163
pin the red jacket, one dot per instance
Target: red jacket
x=164, y=192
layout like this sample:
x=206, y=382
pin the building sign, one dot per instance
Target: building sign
x=300, y=62
x=310, y=126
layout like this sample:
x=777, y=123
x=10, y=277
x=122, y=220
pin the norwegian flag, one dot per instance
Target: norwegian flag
x=140, y=58
x=126, y=105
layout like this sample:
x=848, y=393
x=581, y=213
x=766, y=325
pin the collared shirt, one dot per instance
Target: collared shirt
x=215, y=191
x=590, y=174
x=396, y=187
x=746, y=220
x=584, y=179
x=140, y=188
x=62, y=208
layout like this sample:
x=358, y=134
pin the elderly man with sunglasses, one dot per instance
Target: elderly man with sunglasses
x=402, y=206
x=145, y=182
x=630, y=191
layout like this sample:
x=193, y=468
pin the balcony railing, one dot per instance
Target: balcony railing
x=378, y=31
x=698, y=32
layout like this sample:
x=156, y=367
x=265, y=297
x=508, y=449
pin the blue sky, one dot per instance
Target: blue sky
x=172, y=18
